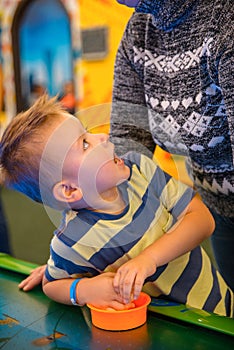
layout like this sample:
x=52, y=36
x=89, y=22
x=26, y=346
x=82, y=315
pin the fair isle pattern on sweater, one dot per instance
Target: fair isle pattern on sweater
x=166, y=64
x=186, y=73
x=196, y=124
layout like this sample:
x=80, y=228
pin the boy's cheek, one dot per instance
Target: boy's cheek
x=93, y=171
x=95, y=160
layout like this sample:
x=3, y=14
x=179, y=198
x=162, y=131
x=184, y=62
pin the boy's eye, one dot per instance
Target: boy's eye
x=85, y=144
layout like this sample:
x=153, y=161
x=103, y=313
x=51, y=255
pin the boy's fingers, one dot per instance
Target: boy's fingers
x=139, y=282
x=137, y=287
x=24, y=282
x=120, y=287
x=116, y=282
x=28, y=287
x=127, y=287
x=119, y=306
x=30, y=282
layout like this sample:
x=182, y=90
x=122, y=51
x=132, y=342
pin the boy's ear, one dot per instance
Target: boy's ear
x=64, y=192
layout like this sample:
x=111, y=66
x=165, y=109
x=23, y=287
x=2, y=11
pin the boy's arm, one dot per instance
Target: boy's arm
x=195, y=225
x=98, y=291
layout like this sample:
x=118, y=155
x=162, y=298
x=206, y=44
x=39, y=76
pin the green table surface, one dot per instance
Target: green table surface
x=32, y=321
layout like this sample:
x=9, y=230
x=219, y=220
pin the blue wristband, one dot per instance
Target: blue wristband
x=73, y=291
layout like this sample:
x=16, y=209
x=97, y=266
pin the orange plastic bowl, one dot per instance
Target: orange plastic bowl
x=114, y=320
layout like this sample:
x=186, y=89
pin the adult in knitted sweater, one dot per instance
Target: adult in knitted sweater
x=174, y=85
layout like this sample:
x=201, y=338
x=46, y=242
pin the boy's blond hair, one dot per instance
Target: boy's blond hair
x=22, y=145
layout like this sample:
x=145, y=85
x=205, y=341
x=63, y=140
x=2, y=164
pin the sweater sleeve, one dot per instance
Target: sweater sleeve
x=226, y=81
x=129, y=116
x=222, y=69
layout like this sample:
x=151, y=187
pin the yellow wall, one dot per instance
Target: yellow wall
x=97, y=76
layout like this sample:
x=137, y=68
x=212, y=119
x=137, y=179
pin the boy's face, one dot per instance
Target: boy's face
x=85, y=160
x=129, y=3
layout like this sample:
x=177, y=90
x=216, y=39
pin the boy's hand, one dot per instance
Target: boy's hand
x=99, y=291
x=33, y=279
x=130, y=277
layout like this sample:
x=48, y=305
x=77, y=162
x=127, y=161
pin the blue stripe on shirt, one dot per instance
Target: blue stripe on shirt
x=127, y=238
x=158, y=272
x=78, y=227
x=215, y=296
x=70, y=267
x=185, y=282
x=183, y=202
x=161, y=179
x=228, y=301
x=122, y=242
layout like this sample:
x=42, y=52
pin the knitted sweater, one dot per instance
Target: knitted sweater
x=174, y=80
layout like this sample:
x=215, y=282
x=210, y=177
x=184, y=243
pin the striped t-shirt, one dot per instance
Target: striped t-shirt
x=89, y=243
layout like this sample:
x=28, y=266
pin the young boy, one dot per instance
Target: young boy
x=127, y=225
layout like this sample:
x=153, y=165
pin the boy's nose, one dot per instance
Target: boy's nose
x=102, y=138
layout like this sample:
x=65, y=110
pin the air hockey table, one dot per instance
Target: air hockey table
x=32, y=321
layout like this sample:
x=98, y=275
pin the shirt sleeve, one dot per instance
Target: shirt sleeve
x=66, y=262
